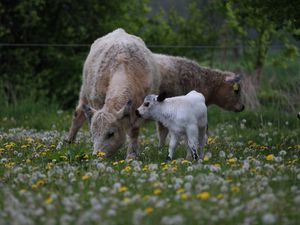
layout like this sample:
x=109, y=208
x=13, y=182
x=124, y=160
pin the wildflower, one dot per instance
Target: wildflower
x=185, y=162
x=157, y=191
x=220, y=196
x=203, y=195
x=183, y=196
x=37, y=184
x=63, y=157
x=127, y=169
x=235, y=189
x=85, y=177
x=232, y=160
x=270, y=157
x=101, y=154
x=180, y=190
x=122, y=189
x=269, y=218
x=206, y=158
x=49, y=200
x=148, y=210
x=211, y=140
x=29, y=140
x=115, y=163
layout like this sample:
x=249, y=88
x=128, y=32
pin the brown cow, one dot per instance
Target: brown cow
x=180, y=75
x=118, y=73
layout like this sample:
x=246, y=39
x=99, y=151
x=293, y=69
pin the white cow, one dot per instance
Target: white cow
x=182, y=115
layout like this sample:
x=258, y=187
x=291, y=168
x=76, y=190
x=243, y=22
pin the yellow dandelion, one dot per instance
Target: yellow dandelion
x=270, y=157
x=220, y=196
x=23, y=190
x=211, y=140
x=174, y=169
x=145, y=168
x=157, y=191
x=180, y=190
x=127, y=169
x=49, y=200
x=235, y=189
x=115, y=163
x=121, y=161
x=183, y=196
x=203, y=195
x=86, y=156
x=148, y=210
x=206, y=158
x=122, y=189
x=29, y=140
x=217, y=165
x=232, y=160
x=185, y=162
x=28, y=161
x=101, y=154
x=62, y=157
x=85, y=177
x=126, y=200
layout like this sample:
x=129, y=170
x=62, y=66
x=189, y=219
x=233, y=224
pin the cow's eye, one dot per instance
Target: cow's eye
x=110, y=134
x=146, y=104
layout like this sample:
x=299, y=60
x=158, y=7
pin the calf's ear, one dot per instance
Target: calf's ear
x=125, y=110
x=161, y=97
x=88, y=112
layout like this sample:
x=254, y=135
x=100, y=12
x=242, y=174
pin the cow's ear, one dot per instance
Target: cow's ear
x=88, y=112
x=161, y=97
x=125, y=110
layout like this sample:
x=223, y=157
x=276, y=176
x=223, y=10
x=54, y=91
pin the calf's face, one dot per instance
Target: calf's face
x=229, y=94
x=147, y=109
x=107, y=129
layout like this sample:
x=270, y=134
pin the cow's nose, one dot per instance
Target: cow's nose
x=137, y=113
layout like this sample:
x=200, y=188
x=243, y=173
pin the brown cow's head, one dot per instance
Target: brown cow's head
x=228, y=94
x=107, y=128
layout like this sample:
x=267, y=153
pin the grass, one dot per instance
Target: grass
x=250, y=173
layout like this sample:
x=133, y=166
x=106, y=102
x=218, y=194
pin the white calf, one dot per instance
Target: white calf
x=182, y=115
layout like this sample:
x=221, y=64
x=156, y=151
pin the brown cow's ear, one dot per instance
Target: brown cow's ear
x=161, y=97
x=88, y=112
x=125, y=110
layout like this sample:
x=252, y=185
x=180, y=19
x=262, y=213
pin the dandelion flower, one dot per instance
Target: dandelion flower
x=270, y=157
x=203, y=195
x=148, y=210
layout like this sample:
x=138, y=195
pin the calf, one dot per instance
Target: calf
x=182, y=115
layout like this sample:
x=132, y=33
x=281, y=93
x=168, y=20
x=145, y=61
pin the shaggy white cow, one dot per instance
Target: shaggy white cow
x=182, y=115
x=118, y=73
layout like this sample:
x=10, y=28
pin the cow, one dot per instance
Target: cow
x=180, y=75
x=118, y=73
x=181, y=115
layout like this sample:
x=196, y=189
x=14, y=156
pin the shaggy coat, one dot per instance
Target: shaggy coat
x=118, y=73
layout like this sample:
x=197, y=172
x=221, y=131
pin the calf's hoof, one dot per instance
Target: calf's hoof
x=168, y=159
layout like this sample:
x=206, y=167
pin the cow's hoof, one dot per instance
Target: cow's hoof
x=131, y=156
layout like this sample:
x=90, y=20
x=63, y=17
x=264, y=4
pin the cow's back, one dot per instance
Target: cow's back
x=107, y=55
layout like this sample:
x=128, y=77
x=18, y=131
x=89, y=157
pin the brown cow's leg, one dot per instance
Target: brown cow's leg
x=77, y=122
x=162, y=133
x=132, y=150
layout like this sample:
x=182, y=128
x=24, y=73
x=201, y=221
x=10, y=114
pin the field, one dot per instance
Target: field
x=250, y=173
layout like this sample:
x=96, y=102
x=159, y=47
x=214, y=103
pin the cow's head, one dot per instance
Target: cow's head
x=228, y=94
x=107, y=128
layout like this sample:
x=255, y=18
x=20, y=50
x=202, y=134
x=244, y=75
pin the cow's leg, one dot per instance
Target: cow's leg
x=162, y=133
x=192, y=140
x=172, y=146
x=133, y=148
x=77, y=122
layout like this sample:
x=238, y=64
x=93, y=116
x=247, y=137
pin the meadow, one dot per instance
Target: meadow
x=250, y=173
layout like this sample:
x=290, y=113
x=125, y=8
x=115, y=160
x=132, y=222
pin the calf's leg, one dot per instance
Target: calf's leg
x=172, y=146
x=162, y=133
x=192, y=140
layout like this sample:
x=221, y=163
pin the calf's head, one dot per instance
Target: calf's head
x=228, y=94
x=107, y=128
x=149, y=107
